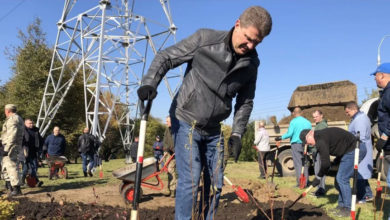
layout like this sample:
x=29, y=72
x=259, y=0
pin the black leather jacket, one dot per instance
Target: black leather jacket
x=212, y=79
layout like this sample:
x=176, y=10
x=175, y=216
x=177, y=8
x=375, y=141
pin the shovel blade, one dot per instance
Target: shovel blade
x=302, y=181
x=242, y=195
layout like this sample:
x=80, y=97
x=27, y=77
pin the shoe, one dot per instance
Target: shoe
x=335, y=210
x=40, y=183
x=85, y=174
x=369, y=199
x=344, y=212
x=90, y=173
x=15, y=191
x=320, y=192
x=262, y=177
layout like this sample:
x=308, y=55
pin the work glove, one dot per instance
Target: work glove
x=278, y=138
x=315, y=182
x=5, y=153
x=380, y=143
x=146, y=92
x=234, y=145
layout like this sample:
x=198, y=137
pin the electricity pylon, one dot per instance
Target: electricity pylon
x=108, y=44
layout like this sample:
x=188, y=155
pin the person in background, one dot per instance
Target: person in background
x=158, y=149
x=86, y=147
x=339, y=143
x=55, y=143
x=32, y=145
x=134, y=150
x=169, y=150
x=382, y=79
x=54, y=146
x=298, y=124
x=321, y=123
x=12, y=138
x=262, y=145
x=221, y=66
x=361, y=123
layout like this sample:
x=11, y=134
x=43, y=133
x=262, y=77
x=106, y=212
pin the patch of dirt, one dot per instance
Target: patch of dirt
x=106, y=203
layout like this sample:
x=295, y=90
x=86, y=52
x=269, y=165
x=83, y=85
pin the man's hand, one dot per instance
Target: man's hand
x=278, y=138
x=380, y=143
x=5, y=153
x=146, y=92
x=315, y=182
x=234, y=145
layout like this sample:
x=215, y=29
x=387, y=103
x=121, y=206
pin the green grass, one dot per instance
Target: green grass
x=240, y=170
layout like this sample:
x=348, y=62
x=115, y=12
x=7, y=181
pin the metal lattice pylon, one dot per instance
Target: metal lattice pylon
x=108, y=44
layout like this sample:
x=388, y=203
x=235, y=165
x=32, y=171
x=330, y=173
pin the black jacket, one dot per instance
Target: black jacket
x=33, y=141
x=384, y=115
x=86, y=143
x=214, y=76
x=335, y=142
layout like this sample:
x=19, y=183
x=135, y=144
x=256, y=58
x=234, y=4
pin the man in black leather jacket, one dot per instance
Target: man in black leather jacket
x=221, y=65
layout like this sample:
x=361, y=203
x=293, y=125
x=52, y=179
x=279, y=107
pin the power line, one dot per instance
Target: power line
x=11, y=10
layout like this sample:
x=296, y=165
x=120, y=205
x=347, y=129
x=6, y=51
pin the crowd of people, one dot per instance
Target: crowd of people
x=322, y=142
x=23, y=149
x=221, y=66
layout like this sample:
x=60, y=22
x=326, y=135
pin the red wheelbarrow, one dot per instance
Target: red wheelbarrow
x=57, y=166
x=149, y=171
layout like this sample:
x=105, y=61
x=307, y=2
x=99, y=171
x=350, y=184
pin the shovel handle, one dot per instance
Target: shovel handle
x=227, y=180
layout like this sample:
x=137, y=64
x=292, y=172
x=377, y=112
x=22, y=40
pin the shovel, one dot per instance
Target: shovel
x=302, y=178
x=145, y=110
x=378, y=181
x=301, y=196
x=242, y=195
x=355, y=176
x=101, y=171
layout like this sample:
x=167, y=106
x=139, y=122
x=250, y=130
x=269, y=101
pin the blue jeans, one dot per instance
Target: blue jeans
x=204, y=154
x=345, y=172
x=387, y=160
x=363, y=189
x=87, y=157
x=158, y=158
x=317, y=167
x=32, y=164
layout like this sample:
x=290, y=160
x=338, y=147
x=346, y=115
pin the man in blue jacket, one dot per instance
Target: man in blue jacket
x=382, y=78
x=361, y=123
x=55, y=143
x=221, y=65
x=54, y=146
x=298, y=124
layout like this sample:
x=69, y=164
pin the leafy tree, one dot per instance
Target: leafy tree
x=31, y=63
x=30, y=67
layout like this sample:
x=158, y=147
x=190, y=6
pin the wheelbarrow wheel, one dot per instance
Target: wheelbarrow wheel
x=128, y=193
x=122, y=186
x=64, y=172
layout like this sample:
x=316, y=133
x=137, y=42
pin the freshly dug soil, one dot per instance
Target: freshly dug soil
x=229, y=210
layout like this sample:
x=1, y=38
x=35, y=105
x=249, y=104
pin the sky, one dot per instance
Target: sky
x=311, y=41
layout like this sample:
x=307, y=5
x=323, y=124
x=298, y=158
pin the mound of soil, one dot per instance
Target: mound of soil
x=229, y=210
